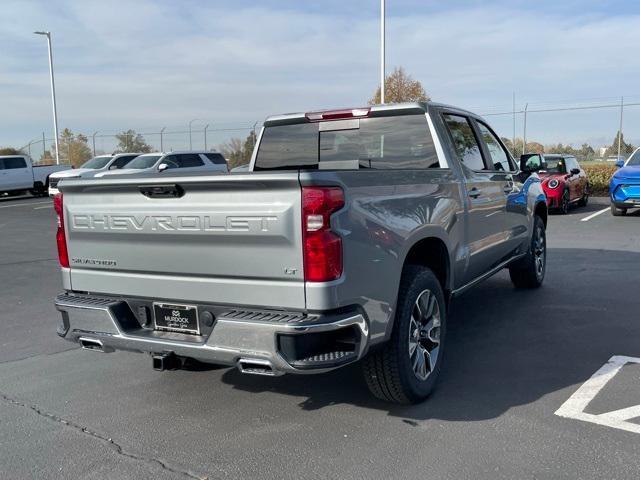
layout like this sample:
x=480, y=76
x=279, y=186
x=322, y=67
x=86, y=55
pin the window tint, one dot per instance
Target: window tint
x=400, y=142
x=14, y=162
x=288, y=147
x=216, y=158
x=499, y=158
x=122, y=161
x=183, y=160
x=465, y=141
x=571, y=163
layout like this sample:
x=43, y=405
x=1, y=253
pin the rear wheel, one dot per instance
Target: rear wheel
x=585, y=197
x=406, y=368
x=529, y=271
x=617, y=212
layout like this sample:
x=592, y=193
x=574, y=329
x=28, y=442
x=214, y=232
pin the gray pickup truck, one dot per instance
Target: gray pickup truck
x=346, y=241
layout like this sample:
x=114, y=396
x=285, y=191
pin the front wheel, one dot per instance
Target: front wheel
x=529, y=271
x=564, y=203
x=617, y=212
x=406, y=368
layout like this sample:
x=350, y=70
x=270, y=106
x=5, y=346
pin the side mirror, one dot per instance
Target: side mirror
x=162, y=167
x=620, y=163
x=531, y=162
x=575, y=171
x=113, y=167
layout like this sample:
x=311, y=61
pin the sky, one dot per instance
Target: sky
x=150, y=64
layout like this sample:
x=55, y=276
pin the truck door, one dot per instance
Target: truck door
x=504, y=173
x=16, y=174
x=486, y=234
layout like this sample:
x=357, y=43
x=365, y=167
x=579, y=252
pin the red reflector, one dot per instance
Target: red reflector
x=338, y=114
x=61, y=238
x=322, y=249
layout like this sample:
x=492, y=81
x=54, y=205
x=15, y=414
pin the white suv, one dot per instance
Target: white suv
x=187, y=161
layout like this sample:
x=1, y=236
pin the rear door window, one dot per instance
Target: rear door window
x=183, y=160
x=14, y=163
x=216, y=158
x=465, y=141
x=122, y=161
x=499, y=157
x=399, y=142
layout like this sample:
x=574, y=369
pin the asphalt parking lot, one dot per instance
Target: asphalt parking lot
x=513, y=359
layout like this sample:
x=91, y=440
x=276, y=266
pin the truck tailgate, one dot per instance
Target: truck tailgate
x=231, y=239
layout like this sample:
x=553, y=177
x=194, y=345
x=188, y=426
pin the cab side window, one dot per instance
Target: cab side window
x=465, y=141
x=14, y=163
x=188, y=160
x=499, y=158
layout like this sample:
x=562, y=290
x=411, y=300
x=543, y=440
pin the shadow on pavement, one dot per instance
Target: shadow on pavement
x=505, y=347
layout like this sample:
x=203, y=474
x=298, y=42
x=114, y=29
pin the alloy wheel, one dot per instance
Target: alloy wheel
x=539, y=252
x=424, y=335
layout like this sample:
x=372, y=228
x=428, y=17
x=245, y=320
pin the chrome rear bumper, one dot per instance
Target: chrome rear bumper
x=239, y=337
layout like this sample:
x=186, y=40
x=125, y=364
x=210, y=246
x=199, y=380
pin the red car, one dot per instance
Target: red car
x=564, y=182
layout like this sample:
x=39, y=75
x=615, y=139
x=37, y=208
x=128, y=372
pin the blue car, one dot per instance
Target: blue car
x=624, y=188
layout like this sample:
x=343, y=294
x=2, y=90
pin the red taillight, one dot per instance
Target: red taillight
x=61, y=238
x=338, y=114
x=322, y=248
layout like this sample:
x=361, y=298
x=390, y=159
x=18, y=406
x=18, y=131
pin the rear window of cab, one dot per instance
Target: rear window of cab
x=398, y=142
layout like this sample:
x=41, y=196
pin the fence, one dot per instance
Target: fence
x=598, y=120
x=163, y=140
x=595, y=122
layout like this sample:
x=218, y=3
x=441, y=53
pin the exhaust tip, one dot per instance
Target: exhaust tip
x=94, y=345
x=256, y=366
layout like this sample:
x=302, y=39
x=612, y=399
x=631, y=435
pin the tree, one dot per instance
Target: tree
x=9, y=151
x=130, y=141
x=74, y=149
x=233, y=151
x=625, y=148
x=238, y=152
x=400, y=87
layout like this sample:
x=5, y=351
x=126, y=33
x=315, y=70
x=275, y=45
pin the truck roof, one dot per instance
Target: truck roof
x=387, y=109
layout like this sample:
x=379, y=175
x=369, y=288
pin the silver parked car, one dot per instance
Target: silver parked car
x=186, y=161
x=101, y=163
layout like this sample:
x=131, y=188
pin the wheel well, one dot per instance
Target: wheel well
x=433, y=254
x=541, y=211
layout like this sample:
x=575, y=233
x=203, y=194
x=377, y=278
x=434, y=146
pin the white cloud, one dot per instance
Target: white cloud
x=149, y=64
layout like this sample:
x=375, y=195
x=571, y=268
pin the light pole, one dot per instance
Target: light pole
x=524, y=130
x=190, y=122
x=93, y=137
x=161, y=143
x=382, y=51
x=53, y=94
x=205, y=136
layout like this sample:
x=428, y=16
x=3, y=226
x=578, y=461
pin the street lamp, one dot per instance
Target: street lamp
x=53, y=94
x=190, y=122
x=382, y=49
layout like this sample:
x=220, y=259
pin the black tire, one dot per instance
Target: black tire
x=618, y=212
x=564, y=203
x=389, y=371
x=529, y=271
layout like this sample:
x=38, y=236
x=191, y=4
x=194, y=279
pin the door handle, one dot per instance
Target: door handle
x=162, y=191
x=474, y=192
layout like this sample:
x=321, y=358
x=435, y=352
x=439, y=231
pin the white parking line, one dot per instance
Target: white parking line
x=578, y=402
x=594, y=215
x=40, y=208
x=24, y=204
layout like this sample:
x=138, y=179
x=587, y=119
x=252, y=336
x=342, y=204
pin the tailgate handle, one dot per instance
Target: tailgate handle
x=161, y=191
